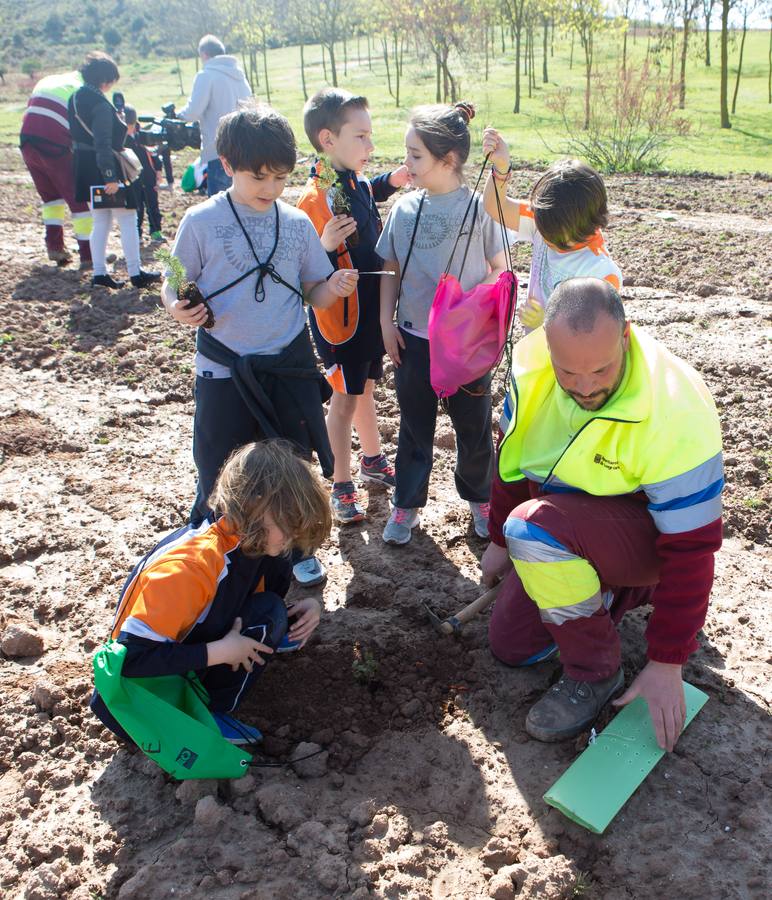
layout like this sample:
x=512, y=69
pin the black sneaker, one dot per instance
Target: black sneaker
x=106, y=281
x=570, y=707
x=145, y=279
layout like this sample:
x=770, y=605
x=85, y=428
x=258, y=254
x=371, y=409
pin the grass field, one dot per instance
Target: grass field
x=536, y=134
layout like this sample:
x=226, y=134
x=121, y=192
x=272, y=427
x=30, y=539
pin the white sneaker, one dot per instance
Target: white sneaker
x=399, y=528
x=480, y=513
x=309, y=572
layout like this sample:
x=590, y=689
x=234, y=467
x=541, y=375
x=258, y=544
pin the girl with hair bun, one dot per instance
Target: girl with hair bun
x=416, y=244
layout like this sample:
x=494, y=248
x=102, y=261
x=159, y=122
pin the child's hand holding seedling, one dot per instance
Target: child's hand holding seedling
x=494, y=144
x=336, y=231
x=182, y=298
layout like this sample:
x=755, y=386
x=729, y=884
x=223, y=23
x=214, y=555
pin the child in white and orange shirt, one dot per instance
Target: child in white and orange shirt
x=563, y=218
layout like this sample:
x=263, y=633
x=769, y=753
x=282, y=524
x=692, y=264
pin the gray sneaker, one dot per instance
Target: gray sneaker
x=399, y=528
x=480, y=513
x=569, y=707
x=309, y=572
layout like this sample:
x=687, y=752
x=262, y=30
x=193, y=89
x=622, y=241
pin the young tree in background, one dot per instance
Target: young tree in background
x=726, y=5
x=688, y=9
x=514, y=10
x=707, y=12
x=588, y=18
x=747, y=7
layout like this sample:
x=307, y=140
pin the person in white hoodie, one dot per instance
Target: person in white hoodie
x=217, y=90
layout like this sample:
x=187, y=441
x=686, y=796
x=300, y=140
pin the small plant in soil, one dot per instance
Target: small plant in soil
x=364, y=667
x=178, y=279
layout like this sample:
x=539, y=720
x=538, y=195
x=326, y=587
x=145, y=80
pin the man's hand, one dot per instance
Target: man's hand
x=111, y=187
x=236, y=649
x=392, y=341
x=494, y=144
x=495, y=564
x=336, y=231
x=307, y=614
x=342, y=282
x=399, y=177
x=661, y=686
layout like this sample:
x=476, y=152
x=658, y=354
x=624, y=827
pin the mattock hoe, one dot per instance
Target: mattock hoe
x=454, y=624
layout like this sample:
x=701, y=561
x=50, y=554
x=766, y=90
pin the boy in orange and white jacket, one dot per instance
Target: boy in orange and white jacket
x=348, y=334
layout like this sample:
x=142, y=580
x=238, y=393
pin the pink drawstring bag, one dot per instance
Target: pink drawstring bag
x=468, y=330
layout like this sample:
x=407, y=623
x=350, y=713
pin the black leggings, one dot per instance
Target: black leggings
x=470, y=414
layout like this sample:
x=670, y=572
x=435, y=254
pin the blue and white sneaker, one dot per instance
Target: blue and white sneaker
x=286, y=645
x=236, y=732
x=542, y=656
x=309, y=572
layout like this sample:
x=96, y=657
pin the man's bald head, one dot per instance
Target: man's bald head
x=588, y=337
x=579, y=301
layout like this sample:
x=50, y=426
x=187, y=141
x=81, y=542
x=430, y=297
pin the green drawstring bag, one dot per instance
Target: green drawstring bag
x=168, y=719
x=188, y=182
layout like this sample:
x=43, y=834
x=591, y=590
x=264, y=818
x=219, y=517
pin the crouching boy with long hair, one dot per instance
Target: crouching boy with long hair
x=209, y=598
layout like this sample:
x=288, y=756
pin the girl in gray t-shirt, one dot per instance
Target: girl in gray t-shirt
x=437, y=144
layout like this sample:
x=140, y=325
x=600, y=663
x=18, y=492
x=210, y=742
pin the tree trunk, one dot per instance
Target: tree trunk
x=438, y=92
x=359, y=49
x=324, y=62
x=246, y=70
x=571, y=57
x=740, y=63
x=265, y=70
x=396, y=68
x=369, y=54
x=682, y=79
x=624, y=51
x=707, y=39
x=516, y=108
x=385, y=47
x=544, y=76
x=503, y=45
x=487, y=63
x=303, y=69
x=401, y=56
x=345, y=57
x=587, y=41
x=179, y=73
x=725, y=123
x=333, y=67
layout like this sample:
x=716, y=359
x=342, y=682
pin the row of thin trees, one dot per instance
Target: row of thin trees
x=442, y=32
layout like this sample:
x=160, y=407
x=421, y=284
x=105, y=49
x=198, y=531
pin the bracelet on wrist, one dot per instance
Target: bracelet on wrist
x=501, y=176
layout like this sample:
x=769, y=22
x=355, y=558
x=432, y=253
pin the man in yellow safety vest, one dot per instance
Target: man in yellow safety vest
x=607, y=496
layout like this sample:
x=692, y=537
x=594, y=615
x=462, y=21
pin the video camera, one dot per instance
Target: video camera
x=168, y=130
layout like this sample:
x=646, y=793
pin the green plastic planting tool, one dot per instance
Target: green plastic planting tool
x=168, y=719
x=607, y=774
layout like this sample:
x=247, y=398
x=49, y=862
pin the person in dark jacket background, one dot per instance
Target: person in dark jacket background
x=146, y=186
x=98, y=135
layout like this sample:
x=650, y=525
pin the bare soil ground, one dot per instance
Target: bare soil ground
x=431, y=788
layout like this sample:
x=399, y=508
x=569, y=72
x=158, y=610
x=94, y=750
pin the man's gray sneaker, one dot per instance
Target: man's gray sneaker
x=480, y=513
x=309, y=572
x=569, y=707
x=399, y=528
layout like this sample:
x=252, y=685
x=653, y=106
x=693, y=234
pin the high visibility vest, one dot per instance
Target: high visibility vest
x=661, y=434
x=338, y=323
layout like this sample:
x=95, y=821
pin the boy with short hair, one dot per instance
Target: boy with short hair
x=563, y=218
x=347, y=334
x=255, y=260
x=209, y=597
